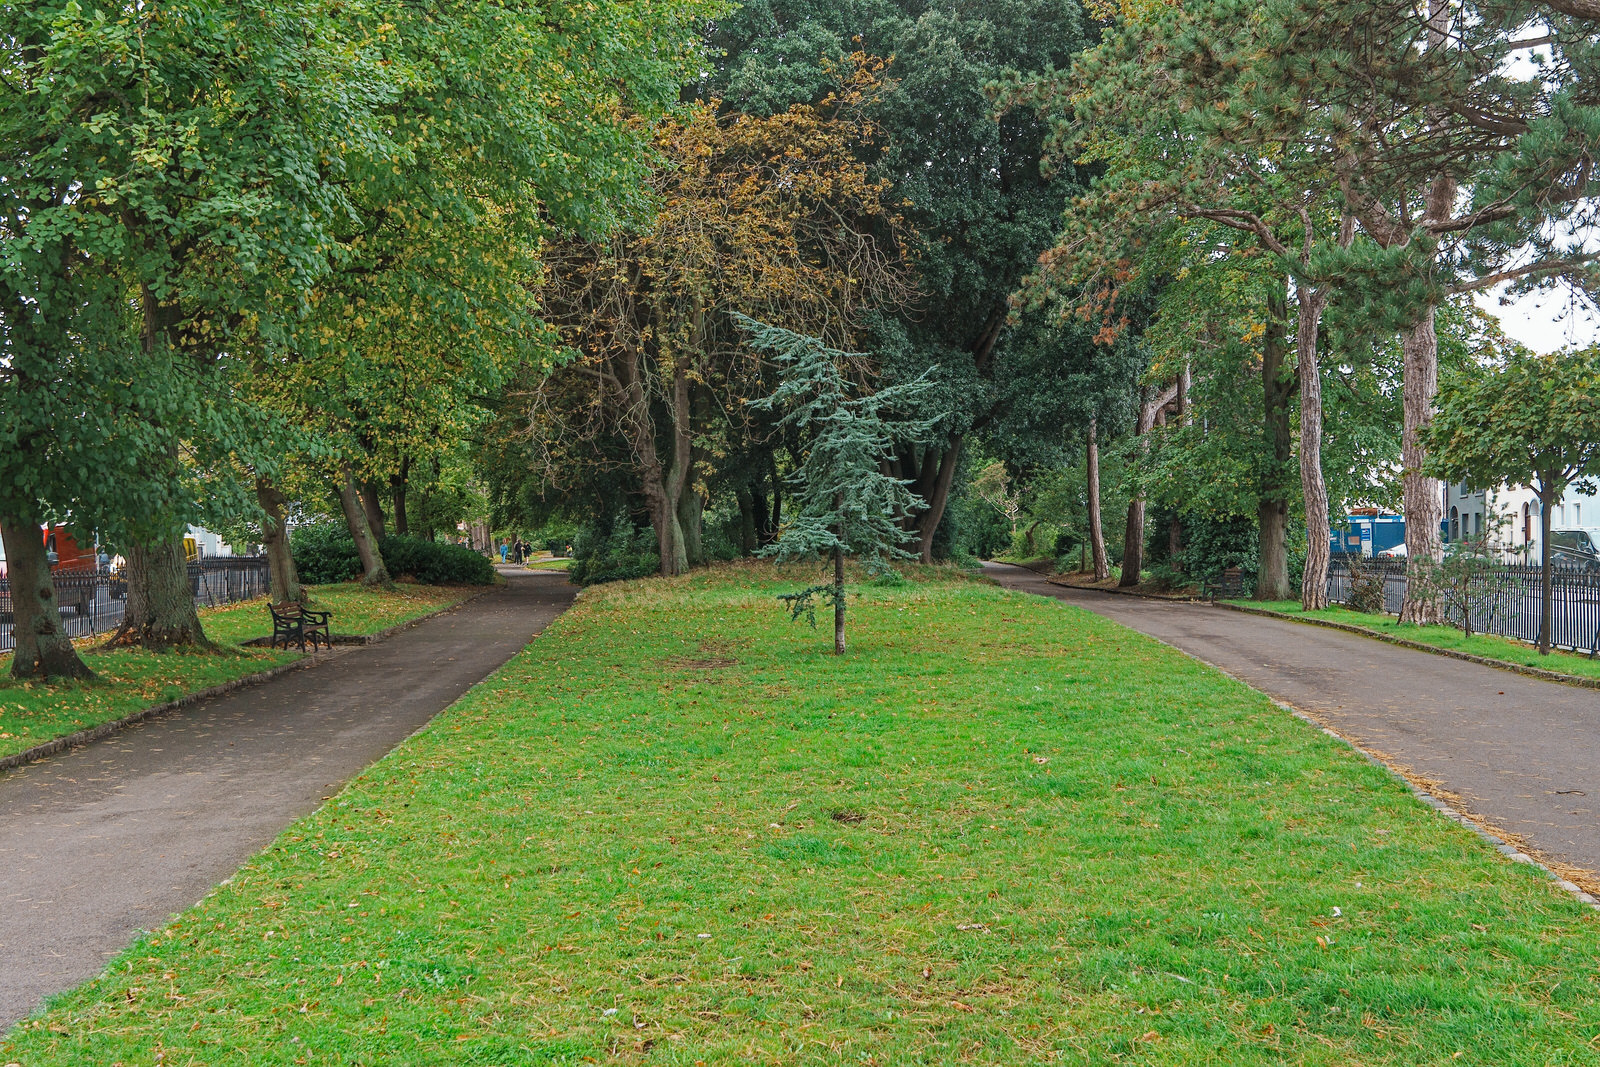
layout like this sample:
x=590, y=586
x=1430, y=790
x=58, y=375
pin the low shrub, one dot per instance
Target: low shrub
x=324, y=553
x=613, y=555
x=435, y=562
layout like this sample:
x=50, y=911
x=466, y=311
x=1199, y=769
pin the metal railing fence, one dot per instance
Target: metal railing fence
x=94, y=601
x=1508, y=604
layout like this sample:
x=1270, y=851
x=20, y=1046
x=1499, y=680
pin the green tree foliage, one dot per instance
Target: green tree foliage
x=982, y=206
x=844, y=503
x=773, y=216
x=1534, y=422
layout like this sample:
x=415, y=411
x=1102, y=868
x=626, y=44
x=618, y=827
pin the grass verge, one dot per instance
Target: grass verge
x=1488, y=646
x=32, y=713
x=677, y=830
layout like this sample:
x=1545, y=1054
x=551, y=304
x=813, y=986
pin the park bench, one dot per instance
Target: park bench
x=1230, y=586
x=294, y=624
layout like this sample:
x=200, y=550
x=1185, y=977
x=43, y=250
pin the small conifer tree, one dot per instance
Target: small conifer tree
x=844, y=502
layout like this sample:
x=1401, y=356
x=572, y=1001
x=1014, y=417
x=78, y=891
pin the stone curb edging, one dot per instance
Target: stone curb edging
x=1117, y=590
x=1418, y=646
x=106, y=729
x=1501, y=845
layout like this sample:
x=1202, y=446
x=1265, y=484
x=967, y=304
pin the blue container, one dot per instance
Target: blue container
x=1368, y=534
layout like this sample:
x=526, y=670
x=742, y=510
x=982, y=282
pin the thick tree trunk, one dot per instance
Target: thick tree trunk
x=285, y=578
x=372, y=504
x=1421, y=495
x=1546, y=599
x=1314, y=583
x=399, y=485
x=43, y=649
x=691, y=511
x=936, y=500
x=1272, y=507
x=1133, y=543
x=1097, y=533
x=159, y=610
x=1150, y=408
x=373, y=571
x=747, y=520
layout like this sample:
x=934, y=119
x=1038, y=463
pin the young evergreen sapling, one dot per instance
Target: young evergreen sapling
x=844, y=503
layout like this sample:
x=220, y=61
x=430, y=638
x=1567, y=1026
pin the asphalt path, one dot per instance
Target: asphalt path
x=113, y=838
x=1520, y=752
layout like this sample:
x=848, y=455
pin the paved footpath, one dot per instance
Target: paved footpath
x=1521, y=752
x=114, y=837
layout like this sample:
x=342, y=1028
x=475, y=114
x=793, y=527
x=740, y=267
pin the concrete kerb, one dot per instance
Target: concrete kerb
x=1418, y=646
x=1501, y=845
x=106, y=729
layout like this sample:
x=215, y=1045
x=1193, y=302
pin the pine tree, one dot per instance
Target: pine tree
x=844, y=503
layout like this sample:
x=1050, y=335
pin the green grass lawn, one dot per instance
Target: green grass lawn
x=676, y=830
x=1449, y=637
x=32, y=713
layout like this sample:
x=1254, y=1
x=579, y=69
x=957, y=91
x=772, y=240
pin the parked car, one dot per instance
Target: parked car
x=1574, y=548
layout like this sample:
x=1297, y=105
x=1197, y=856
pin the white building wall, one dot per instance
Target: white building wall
x=1469, y=513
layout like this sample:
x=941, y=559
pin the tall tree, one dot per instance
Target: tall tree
x=775, y=217
x=1467, y=164
x=980, y=203
x=1535, y=422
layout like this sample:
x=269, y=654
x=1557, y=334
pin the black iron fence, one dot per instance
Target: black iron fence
x=93, y=601
x=1508, y=602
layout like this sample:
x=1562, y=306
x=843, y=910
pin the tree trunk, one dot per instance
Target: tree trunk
x=372, y=504
x=373, y=571
x=1150, y=407
x=747, y=521
x=1314, y=583
x=691, y=511
x=1546, y=598
x=1097, y=534
x=777, y=499
x=1421, y=495
x=1133, y=543
x=938, y=497
x=43, y=649
x=838, y=595
x=399, y=484
x=285, y=578
x=1272, y=500
x=159, y=610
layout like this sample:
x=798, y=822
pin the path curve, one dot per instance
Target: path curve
x=115, y=837
x=1522, y=753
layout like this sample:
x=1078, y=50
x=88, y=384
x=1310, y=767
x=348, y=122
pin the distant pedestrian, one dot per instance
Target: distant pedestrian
x=503, y=549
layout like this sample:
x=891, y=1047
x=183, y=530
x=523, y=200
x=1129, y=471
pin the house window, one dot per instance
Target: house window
x=1477, y=524
x=1455, y=524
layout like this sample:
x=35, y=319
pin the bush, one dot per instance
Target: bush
x=325, y=553
x=434, y=562
x=1366, y=586
x=613, y=552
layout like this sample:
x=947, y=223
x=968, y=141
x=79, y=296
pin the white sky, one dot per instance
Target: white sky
x=1544, y=321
